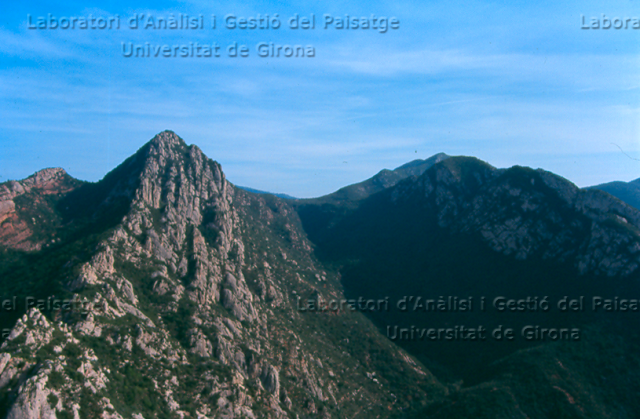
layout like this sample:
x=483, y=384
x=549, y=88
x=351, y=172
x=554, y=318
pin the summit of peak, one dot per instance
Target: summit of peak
x=48, y=174
x=167, y=138
x=164, y=145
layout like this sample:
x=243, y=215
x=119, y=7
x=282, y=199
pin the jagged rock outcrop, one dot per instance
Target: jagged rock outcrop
x=46, y=180
x=185, y=303
x=32, y=401
x=270, y=380
x=17, y=229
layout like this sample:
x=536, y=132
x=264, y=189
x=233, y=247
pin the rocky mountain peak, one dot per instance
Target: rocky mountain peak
x=448, y=180
x=165, y=148
x=46, y=175
x=191, y=284
x=167, y=139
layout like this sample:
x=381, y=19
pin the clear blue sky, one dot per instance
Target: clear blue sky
x=509, y=82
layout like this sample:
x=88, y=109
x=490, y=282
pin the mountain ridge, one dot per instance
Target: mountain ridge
x=192, y=285
x=380, y=181
x=628, y=192
x=187, y=290
x=464, y=225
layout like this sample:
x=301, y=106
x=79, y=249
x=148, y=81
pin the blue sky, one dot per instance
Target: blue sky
x=508, y=82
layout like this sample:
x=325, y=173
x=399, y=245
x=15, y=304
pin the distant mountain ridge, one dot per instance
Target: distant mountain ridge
x=379, y=182
x=382, y=180
x=258, y=191
x=628, y=192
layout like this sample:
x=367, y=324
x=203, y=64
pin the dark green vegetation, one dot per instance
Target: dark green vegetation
x=597, y=377
x=406, y=241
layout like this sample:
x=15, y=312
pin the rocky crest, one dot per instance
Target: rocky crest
x=17, y=229
x=524, y=213
x=187, y=308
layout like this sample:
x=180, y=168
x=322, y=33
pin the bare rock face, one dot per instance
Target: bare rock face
x=89, y=327
x=237, y=298
x=201, y=346
x=189, y=297
x=7, y=207
x=46, y=180
x=270, y=380
x=34, y=328
x=32, y=400
x=17, y=229
x=189, y=194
